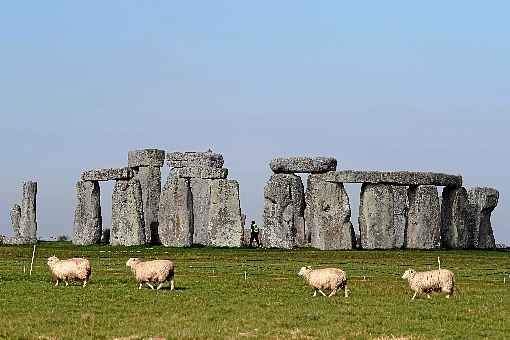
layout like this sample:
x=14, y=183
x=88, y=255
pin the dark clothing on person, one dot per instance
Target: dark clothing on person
x=254, y=234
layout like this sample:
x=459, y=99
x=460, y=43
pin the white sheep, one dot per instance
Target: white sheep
x=325, y=278
x=71, y=269
x=156, y=271
x=433, y=280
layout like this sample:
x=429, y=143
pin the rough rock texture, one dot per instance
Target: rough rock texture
x=394, y=177
x=15, y=218
x=87, y=214
x=284, y=211
x=176, y=213
x=376, y=216
x=457, y=225
x=225, y=229
x=192, y=159
x=107, y=174
x=150, y=181
x=28, y=223
x=400, y=210
x=328, y=215
x=203, y=172
x=303, y=165
x=127, y=214
x=423, y=229
x=482, y=202
x=201, y=196
x=146, y=157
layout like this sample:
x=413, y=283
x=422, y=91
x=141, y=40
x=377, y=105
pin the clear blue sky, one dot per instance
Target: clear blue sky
x=379, y=85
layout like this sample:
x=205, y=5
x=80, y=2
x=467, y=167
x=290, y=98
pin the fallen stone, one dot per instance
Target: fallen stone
x=176, y=213
x=457, y=226
x=482, y=202
x=225, y=229
x=201, y=193
x=150, y=181
x=284, y=211
x=193, y=159
x=146, y=157
x=128, y=228
x=303, y=165
x=28, y=222
x=394, y=178
x=376, y=216
x=400, y=211
x=203, y=172
x=15, y=218
x=88, y=222
x=424, y=218
x=328, y=215
x=107, y=174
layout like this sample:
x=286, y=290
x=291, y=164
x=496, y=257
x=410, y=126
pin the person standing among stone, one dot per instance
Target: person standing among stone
x=254, y=233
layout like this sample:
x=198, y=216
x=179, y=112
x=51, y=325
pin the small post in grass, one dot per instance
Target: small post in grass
x=32, y=263
x=244, y=275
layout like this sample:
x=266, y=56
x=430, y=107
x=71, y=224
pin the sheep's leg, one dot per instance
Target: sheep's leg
x=333, y=292
x=320, y=291
x=172, y=287
x=315, y=293
x=148, y=284
x=140, y=286
x=84, y=283
x=346, y=291
x=67, y=283
x=56, y=284
x=159, y=286
x=415, y=293
x=428, y=296
x=447, y=296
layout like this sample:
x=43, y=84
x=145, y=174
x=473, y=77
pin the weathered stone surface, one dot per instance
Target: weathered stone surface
x=28, y=222
x=88, y=222
x=203, y=172
x=150, y=181
x=225, y=229
x=457, y=225
x=284, y=211
x=15, y=218
x=424, y=220
x=394, y=178
x=376, y=216
x=128, y=227
x=303, y=165
x=400, y=211
x=192, y=159
x=146, y=157
x=482, y=202
x=328, y=215
x=201, y=193
x=107, y=174
x=176, y=213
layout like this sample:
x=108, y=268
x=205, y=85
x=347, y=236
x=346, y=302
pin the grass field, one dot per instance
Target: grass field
x=213, y=299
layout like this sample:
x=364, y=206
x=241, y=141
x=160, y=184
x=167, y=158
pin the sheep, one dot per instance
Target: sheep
x=72, y=269
x=433, y=280
x=326, y=278
x=156, y=271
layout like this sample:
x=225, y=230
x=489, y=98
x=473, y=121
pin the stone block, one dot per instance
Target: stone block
x=457, y=225
x=303, y=165
x=28, y=219
x=201, y=194
x=146, y=157
x=407, y=178
x=88, y=222
x=424, y=218
x=15, y=219
x=225, y=229
x=194, y=159
x=107, y=174
x=203, y=172
x=376, y=213
x=150, y=181
x=482, y=202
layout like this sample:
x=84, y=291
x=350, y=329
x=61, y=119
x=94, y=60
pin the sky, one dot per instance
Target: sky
x=387, y=85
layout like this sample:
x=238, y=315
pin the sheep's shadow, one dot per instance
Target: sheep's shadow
x=175, y=288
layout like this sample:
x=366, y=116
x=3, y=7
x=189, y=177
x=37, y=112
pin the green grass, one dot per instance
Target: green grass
x=213, y=300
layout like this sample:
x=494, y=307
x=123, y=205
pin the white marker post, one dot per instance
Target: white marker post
x=32, y=263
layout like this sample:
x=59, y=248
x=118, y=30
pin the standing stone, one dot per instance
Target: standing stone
x=28, y=223
x=15, y=218
x=128, y=227
x=176, y=213
x=105, y=237
x=284, y=211
x=376, y=216
x=328, y=215
x=457, y=227
x=400, y=211
x=482, y=202
x=87, y=214
x=423, y=223
x=225, y=229
x=201, y=197
x=150, y=181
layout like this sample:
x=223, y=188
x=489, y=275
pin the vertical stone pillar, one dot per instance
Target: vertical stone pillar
x=225, y=227
x=15, y=219
x=88, y=222
x=201, y=197
x=482, y=202
x=424, y=219
x=328, y=215
x=457, y=226
x=128, y=226
x=284, y=211
x=28, y=222
x=376, y=216
x=176, y=213
x=400, y=211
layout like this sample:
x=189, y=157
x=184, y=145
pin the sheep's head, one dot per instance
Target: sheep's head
x=407, y=273
x=52, y=260
x=304, y=270
x=132, y=261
